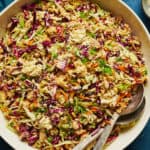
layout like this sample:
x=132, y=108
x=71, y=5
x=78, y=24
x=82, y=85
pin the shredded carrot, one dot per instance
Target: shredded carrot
x=122, y=68
x=4, y=109
x=72, y=94
x=30, y=42
x=122, y=96
x=88, y=112
x=61, y=92
x=94, y=109
x=138, y=81
x=83, y=97
x=94, y=65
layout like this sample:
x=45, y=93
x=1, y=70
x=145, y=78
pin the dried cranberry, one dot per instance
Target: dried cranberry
x=72, y=137
x=26, y=14
x=70, y=109
x=23, y=127
x=30, y=7
x=71, y=65
x=137, y=74
x=99, y=114
x=34, y=16
x=56, y=139
x=51, y=102
x=46, y=43
x=109, y=54
x=57, y=110
x=55, y=120
x=130, y=70
x=101, y=42
x=31, y=48
x=111, y=85
x=65, y=19
x=84, y=49
x=47, y=19
x=19, y=64
x=28, y=83
x=14, y=23
x=98, y=101
x=59, y=30
x=35, y=25
x=16, y=113
x=11, y=86
x=117, y=54
x=58, y=1
x=118, y=38
x=61, y=39
x=53, y=40
x=31, y=140
x=18, y=52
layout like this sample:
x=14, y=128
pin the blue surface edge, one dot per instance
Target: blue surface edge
x=143, y=141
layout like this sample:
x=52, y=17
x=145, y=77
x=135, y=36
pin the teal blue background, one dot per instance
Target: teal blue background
x=143, y=141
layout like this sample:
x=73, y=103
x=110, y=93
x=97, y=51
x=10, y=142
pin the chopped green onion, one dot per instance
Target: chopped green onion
x=107, y=70
x=104, y=67
x=78, y=108
x=93, y=51
x=41, y=110
x=22, y=22
x=91, y=34
x=83, y=15
x=11, y=124
x=54, y=55
x=40, y=31
x=49, y=68
x=49, y=139
x=26, y=37
x=123, y=86
x=65, y=126
x=68, y=48
x=102, y=63
x=84, y=60
x=146, y=72
x=119, y=59
x=23, y=77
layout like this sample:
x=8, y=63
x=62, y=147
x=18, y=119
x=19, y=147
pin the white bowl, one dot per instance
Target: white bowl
x=118, y=8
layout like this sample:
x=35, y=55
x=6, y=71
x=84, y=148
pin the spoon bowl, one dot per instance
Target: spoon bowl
x=135, y=102
x=128, y=119
x=146, y=7
x=133, y=107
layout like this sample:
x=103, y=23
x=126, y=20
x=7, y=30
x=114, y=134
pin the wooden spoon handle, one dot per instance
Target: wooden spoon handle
x=90, y=138
x=106, y=132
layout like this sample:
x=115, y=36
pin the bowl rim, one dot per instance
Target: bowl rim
x=124, y=145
